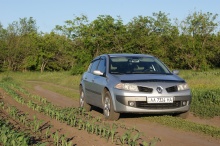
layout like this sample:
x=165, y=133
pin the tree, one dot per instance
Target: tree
x=191, y=44
x=54, y=52
x=107, y=35
x=73, y=28
x=152, y=35
x=138, y=35
x=16, y=48
x=103, y=35
x=30, y=43
x=197, y=28
x=2, y=46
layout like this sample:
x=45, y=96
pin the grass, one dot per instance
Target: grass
x=59, y=82
x=205, y=87
x=205, y=80
x=64, y=79
x=68, y=92
x=179, y=123
x=196, y=80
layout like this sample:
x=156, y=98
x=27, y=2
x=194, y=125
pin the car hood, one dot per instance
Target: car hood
x=149, y=78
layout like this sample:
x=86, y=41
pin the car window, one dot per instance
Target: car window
x=94, y=65
x=102, y=65
x=137, y=65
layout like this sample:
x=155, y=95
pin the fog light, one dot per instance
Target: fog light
x=184, y=103
x=131, y=103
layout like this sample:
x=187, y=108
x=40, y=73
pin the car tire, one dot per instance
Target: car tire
x=82, y=102
x=108, y=109
x=183, y=115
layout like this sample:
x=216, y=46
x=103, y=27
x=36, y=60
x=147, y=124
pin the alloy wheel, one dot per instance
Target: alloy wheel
x=107, y=107
x=81, y=99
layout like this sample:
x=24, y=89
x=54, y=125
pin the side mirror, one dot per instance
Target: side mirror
x=98, y=73
x=175, y=72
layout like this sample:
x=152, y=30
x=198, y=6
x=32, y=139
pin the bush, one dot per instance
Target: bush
x=206, y=103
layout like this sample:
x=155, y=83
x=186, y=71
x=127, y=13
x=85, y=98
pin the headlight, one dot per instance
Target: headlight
x=182, y=87
x=126, y=86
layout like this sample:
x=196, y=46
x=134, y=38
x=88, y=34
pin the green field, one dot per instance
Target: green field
x=205, y=87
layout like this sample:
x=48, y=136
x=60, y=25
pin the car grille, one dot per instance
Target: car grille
x=144, y=104
x=172, y=89
x=145, y=89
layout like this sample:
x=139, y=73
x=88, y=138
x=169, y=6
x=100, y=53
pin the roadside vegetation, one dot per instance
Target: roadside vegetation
x=192, y=43
x=205, y=87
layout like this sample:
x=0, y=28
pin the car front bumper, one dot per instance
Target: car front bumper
x=131, y=102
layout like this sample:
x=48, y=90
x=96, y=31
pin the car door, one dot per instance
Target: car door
x=99, y=83
x=88, y=80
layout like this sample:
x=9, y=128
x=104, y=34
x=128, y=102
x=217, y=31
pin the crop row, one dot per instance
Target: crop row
x=33, y=124
x=77, y=117
x=12, y=137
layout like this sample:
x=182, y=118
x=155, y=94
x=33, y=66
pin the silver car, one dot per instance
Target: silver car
x=133, y=83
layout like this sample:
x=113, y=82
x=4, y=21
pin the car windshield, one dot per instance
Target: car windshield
x=136, y=65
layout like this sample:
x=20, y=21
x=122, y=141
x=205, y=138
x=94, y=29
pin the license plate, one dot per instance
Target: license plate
x=159, y=99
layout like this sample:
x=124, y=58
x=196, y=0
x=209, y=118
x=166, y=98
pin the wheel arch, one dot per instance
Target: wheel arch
x=81, y=88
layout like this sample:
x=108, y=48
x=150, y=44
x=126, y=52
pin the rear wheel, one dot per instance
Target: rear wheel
x=108, y=109
x=82, y=102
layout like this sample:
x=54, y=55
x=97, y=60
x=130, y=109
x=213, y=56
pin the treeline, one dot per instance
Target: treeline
x=192, y=43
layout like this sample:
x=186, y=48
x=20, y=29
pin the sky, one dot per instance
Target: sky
x=49, y=13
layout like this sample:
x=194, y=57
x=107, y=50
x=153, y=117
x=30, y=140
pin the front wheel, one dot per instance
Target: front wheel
x=108, y=109
x=82, y=102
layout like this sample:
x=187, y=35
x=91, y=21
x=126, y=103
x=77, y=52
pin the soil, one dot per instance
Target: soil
x=169, y=136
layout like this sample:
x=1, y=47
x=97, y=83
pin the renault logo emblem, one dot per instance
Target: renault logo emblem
x=159, y=89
